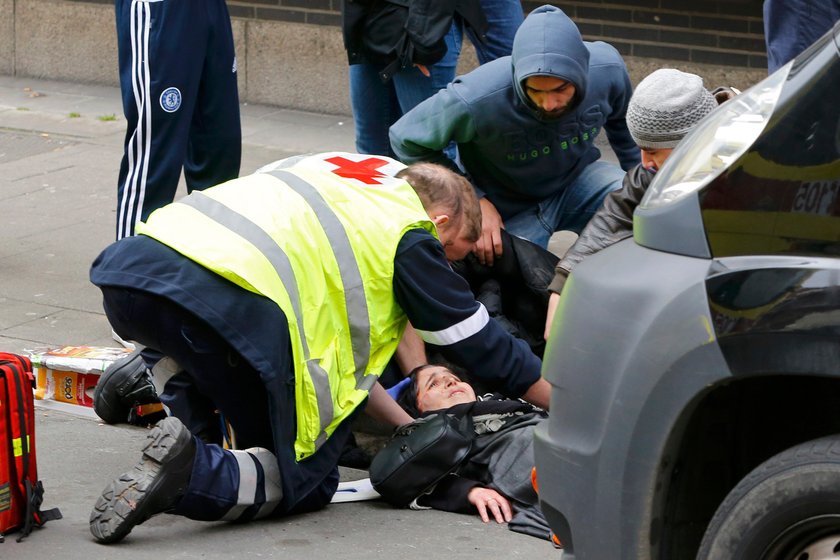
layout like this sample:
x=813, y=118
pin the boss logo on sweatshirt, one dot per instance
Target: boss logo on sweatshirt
x=170, y=99
x=526, y=147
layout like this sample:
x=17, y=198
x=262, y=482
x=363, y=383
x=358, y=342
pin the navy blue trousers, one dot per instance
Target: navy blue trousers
x=217, y=377
x=791, y=26
x=180, y=98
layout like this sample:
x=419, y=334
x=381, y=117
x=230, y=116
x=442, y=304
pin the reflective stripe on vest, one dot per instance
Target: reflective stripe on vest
x=322, y=248
x=280, y=261
x=357, y=312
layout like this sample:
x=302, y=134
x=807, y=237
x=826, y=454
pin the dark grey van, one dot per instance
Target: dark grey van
x=695, y=409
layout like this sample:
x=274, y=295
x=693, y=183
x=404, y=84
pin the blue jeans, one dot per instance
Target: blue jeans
x=376, y=106
x=570, y=210
x=503, y=18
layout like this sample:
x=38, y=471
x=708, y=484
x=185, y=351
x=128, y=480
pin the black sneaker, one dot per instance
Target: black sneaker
x=154, y=485
x=125, y=384
x=353, y=456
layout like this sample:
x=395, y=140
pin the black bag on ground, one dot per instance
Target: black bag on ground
x=419, y=455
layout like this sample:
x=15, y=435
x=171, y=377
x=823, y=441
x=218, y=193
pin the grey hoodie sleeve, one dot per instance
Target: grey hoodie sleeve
x=616, y=126
x=424, y=132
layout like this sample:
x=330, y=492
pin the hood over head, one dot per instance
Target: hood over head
x=548, y=43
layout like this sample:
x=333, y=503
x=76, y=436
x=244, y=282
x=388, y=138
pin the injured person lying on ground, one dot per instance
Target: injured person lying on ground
x=495, y=478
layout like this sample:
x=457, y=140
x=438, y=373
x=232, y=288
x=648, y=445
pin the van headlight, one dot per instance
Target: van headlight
x=719, y=140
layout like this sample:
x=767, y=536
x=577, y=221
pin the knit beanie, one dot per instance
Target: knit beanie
x=665, y=106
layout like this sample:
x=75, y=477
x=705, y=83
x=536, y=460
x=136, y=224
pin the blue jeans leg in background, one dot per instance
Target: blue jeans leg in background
x=572, y=209
x=375, y=109
x=376, y=105
x=503, y=17
x=413, y=87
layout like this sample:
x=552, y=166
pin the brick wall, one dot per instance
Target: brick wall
x=727, y=32
x=318, y=12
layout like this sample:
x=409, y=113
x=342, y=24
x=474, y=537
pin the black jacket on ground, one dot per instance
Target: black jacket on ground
x=501, y=458
x=514, y=289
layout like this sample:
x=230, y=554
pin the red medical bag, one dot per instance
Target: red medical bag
x=21, y=493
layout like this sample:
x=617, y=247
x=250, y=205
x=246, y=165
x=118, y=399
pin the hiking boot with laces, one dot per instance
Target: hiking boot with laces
x=127, y=383
x=155, y=484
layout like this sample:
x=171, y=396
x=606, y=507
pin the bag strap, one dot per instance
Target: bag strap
x=35, y=517
x=466, y=424
x=17, y=409
x=405, y=47
x=467, y=429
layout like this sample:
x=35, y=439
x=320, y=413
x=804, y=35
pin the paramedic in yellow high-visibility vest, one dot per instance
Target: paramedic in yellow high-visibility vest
x=281, y=296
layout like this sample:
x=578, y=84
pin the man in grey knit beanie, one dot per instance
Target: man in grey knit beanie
x=664, y=107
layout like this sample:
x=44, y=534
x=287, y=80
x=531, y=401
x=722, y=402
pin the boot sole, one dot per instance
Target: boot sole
x=129, y=500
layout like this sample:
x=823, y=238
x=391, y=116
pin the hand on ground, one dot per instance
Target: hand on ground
x=489, y=502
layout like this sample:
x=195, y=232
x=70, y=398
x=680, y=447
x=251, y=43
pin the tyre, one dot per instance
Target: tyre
x=788, y=508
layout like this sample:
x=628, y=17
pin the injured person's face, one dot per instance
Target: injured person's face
x=439, y=388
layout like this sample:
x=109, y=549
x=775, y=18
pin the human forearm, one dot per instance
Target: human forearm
x=622, y=143
x=553, y=300
x=411, y=351
x=539, y=394
x=382, y=408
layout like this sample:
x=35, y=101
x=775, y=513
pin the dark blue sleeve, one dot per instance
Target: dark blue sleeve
x=618, y=134
x=451, y=494
x=608, y=74
x=443, y=311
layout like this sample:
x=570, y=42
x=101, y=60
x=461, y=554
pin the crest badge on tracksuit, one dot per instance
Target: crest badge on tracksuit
x=170, y=99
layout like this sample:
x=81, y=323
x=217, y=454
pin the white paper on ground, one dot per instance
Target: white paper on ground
x=355, y=491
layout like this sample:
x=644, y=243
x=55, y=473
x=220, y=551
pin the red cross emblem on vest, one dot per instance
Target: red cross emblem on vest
x=365, y=170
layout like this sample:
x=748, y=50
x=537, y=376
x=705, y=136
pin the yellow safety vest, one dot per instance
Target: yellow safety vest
x=322, y=247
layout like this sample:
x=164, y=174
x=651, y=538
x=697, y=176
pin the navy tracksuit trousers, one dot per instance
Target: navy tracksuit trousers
x=180, y=98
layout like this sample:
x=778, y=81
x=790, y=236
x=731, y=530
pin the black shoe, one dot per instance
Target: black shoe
x=154, y=485
x=125, y=384
x=353, y=456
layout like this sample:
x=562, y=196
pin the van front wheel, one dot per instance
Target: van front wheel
x=788, y=508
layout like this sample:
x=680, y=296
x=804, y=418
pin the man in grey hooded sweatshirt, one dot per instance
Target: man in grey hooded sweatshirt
x=525, y=127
